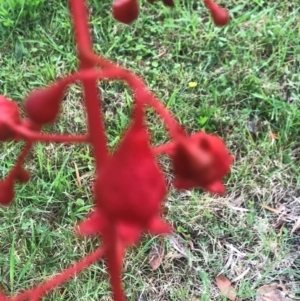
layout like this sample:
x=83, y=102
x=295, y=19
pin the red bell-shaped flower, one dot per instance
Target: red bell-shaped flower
x=129, y=190
x=201, y=160
x=130, y=187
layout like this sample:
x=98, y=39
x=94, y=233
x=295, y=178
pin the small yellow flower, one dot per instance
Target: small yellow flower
x=192, y=84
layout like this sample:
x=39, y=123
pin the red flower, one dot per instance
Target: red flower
x=201, y=160
x=129, y=189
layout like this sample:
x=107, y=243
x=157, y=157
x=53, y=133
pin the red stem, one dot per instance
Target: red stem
x=38, y=137
x=91, y=57
x=94, y=113
x=20, y=161
x=114, y=258
x=57, y=280
x=139, y=87
x=175, y=130
x=163, y=149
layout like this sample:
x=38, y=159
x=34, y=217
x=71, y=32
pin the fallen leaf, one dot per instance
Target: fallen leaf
x=296, y=226
x=224, y=285
x=156, y=256
x=77, y=175
x=269, y=293
x=192, y=84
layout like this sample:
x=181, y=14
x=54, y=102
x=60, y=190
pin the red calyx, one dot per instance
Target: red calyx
x=9, y=111
x=42, y=106
x=125, y=11
x=201, y=160
x=219, y=14
x=7, y=193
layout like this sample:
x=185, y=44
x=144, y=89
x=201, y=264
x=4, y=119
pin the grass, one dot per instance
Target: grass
x=248, y=88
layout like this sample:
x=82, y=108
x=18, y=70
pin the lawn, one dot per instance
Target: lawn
x=241, y=82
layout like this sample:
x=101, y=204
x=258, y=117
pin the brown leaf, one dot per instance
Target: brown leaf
x=269, y=293
x=224, y=285
x=156, y=256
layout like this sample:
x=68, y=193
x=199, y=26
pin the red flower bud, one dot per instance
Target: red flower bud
x=9, y=111
x=7, y=193
x=125, y=11
x=219, y=14
x=201, y=160
x=22, y=175
x=42, y=106
x=168, y=3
